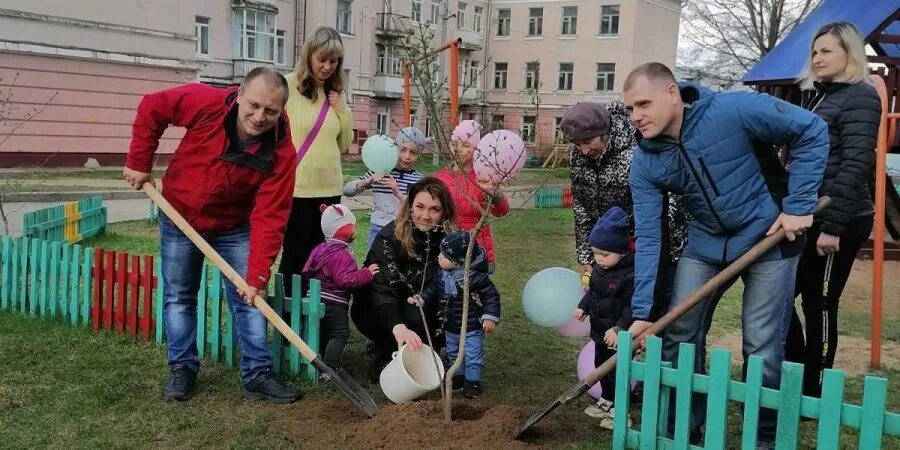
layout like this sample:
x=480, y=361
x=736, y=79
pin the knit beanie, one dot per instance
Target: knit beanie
x=454, y=246
x=412, y=135
x=585, y=121
x=611, y=232
x=338, y=222
x=468, y=131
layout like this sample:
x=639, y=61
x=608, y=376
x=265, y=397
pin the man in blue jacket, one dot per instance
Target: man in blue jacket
x=717, y=151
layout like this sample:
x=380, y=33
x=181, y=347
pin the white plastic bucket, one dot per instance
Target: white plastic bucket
x=411, y=374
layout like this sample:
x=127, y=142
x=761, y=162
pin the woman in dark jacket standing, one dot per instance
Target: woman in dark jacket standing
x=406, y=251
x=837, y=69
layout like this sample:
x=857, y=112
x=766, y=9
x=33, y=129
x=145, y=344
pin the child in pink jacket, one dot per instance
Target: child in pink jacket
x=332, y=263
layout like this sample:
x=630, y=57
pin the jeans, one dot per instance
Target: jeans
x=182, y=265
x=473, y=356
x=334, y=333
x=373, y=233
x=766, y=313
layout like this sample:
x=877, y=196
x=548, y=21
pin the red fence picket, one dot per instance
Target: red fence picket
x=117, y=294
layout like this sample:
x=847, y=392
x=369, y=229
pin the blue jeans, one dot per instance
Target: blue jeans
x=182, y=265
x=766, y=312
x=473, y=357
x=373, y=233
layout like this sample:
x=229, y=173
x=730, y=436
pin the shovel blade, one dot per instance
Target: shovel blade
x=570, y=394
x=351, y=389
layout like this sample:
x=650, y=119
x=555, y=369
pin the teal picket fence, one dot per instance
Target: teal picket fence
x=70, y=222
x=663, y=384
x=553, y=197
x=120, y=293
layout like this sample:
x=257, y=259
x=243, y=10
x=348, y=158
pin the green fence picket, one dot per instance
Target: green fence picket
x=752, y=394
x=54, y=278
x=294, y=304
x=832, y=398
x=7, y=257
x=201, y=312
x=88, y=279
x=665, y=396
x=74, y=305
x=25, y=246
x=314, y=313
x=684, y=387
x=789, y=411
x=14, y=275
x=277, y=345
x=717, y=401
x=874, y=402
x=215, y=297
x=45, y=261
x=650, y=406
x=623, y=399
x=64, y=280
x=35, y=267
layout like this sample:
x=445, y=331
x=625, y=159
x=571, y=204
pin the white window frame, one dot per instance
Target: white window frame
x=201, y=31
x=535, y=23
x=461, y=15
x=436, y=16
x=569, y=25
x=476, y=19
x=532, y=76
x=279, y=48
x=528, y=130
x=503, y=22
x=611, y=20
x=387, y=62
x=416, y=15
x=344, y=21
x=500, y=75
x=566, y=79
x=474, y=75
x=608, y=77
x=251, y=38
x=413, y=118
x=383, y=121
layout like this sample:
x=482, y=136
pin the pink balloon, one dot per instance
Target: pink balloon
x=585, y=366
x=499, y=156
x=575, y=328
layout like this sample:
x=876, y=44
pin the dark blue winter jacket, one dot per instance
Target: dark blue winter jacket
x=445, y=292
x=717, y=165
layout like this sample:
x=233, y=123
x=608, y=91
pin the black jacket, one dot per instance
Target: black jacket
x=853, y=113
x=608, y=299
x=399, y=278
x=484, y=299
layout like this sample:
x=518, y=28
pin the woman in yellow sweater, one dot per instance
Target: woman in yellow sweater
x=318, y=80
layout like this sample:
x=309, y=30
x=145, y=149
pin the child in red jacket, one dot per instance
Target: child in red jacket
x=332, y=263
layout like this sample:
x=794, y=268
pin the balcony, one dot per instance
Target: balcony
x=240, y=67
x=390, y=25
x=387, y=86
x=470, y=40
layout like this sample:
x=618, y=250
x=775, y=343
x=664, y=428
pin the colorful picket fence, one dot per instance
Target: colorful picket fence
x=120, y=293
x=553, y=197
x=661, y=381
x=70, y=222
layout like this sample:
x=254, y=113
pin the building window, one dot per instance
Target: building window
x=528, y=128
x=503, y=16
x=566, y=73
x=254, y=35
x=569, y=20
x=479, y=13
x=201, y=32
x=436, y=15
x=500, y=75
x=413, y=118
x=609, y=20
x=388, y=60
x=532, y=75
x=461, y=16
x=497, y=121
x=344, y=17
x=606, y=76
x=348, y=95
x=279, y=47
x=416, y=10
x=384, y=115
x=557, y=134
x=474, y=75
x=535, y=21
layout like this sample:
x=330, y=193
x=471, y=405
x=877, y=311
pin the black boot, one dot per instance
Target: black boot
x=267, y=386
x=472, y=389
x=459, y=382
x=181, y=382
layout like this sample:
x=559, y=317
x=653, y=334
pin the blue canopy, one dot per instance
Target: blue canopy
x=785, y=61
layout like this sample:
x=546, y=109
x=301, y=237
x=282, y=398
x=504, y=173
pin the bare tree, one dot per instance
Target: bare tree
x=730, y=36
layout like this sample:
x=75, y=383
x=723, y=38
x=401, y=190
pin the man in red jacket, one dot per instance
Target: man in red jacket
x=232, y=178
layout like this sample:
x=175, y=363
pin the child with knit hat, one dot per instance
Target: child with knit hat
x=608, y=301
x=389, y=190
x=445, y=292
x=332, y=263
x=466, y=187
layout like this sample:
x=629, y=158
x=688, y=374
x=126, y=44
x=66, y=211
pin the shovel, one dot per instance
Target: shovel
x=339, y=377
x=732, y=271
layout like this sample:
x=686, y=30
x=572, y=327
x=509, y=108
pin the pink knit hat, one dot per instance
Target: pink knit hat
x=467, y=130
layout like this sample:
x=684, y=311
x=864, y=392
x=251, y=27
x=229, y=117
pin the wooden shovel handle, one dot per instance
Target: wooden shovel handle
x=227, y=270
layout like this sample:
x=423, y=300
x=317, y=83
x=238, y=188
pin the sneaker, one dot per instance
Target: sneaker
x=472, y=389
x=181, y=382
x=267, y=387
x=459, y=382
x=605, y=411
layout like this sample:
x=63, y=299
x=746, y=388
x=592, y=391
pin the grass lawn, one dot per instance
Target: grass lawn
x=64, y=387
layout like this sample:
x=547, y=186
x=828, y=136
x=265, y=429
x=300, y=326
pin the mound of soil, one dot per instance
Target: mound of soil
x=422, y=425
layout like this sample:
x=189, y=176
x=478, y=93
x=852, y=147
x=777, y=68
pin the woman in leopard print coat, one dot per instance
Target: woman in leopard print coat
x=602, y=143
